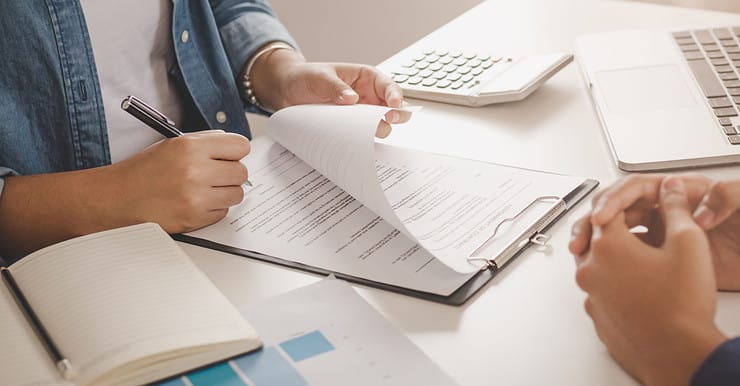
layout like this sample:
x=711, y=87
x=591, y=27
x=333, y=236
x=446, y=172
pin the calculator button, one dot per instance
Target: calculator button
x=444, y=83
x=400, y=78
x=422, y=65
x=445, y=60
x=432, y=58
x=728, y=76
x=459, y=61
x=729, y=130
x=474, y=63
x=450, y=68
x=464, y=70
x=435, y=66
x=415, y=80
x=468, y=55
x=486, y=65
x=429, y=82
x=477, y=71
x=714, y=55
x=456, y=85
x=428, y=51
x=420, y=58
x=466, y=78
x=406, y=71
x=711, y=48
x=733, y=50
x=439, y=75
x=455, y=54
x=454, y=76
x=720, y=62
x=734, y=91
x=441, y=52
x=484, y=58
x=426, y=73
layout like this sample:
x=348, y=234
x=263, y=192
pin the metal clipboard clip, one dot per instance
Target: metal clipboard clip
x=530, y=235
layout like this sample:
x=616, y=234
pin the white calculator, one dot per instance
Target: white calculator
x=471, y=79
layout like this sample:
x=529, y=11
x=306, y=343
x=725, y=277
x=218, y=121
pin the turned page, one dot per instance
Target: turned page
x=114, y=297
x=450, y=206
x=23, y=359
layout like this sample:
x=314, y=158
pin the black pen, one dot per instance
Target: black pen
x=62, y=364
x=154, y=119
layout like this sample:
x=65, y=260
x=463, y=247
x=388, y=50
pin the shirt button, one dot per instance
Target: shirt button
x=185, y=36
x=221, y=117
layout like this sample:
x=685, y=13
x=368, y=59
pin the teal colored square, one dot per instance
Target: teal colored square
x=306, y=346
x=217, y=375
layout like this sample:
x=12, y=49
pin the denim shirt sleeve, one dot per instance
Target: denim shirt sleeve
x=721, y=367
x=246, y=25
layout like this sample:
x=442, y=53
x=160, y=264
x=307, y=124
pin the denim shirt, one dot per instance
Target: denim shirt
x=51, y=108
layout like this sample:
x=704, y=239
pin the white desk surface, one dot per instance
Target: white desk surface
x=527, y=327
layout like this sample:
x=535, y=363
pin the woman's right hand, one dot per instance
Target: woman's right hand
x=183, y=183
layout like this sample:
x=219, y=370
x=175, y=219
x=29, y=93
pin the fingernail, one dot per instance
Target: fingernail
x=393, y=98
x=347, y=95
x=393, y=116
x=704, y=216
x=674, y=185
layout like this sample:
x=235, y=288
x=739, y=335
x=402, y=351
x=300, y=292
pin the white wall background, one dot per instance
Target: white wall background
x=365, y=31
x=368, y=31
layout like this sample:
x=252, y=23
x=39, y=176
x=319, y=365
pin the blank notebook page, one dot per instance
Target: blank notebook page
x=116, y=296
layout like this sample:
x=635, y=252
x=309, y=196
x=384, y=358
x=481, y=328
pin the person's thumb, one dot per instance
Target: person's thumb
x=720, y=203
x=674, y=209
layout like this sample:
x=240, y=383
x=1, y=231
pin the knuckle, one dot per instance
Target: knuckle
x=583, y=276
x=588, y=306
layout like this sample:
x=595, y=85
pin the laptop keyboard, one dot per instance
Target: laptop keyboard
x=714, y=57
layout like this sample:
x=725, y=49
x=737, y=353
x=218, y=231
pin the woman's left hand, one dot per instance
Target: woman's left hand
x=283, y=78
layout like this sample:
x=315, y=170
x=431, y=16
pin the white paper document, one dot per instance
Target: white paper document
x=321, y=334
x=327, y=195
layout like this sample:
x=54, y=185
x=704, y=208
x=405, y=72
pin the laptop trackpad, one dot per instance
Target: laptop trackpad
x=645, y=89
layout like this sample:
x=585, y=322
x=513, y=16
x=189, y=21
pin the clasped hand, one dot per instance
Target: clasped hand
x=652, y=294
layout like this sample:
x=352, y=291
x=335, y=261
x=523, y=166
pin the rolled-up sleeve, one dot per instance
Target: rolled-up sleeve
x=245, y=26
x=5, y=172
x=721, y=368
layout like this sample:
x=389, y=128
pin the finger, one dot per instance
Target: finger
x=227, y=173
x=397, y=116
x=226, y=146
x=720, y=203
x=393, y=94
x=641, y=191
x=224, y=197
x=384, y=129
x=623, y=194
x=579, y=237
x=675, y=212
x=329, y=86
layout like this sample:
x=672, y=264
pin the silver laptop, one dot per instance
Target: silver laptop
x=666, y=99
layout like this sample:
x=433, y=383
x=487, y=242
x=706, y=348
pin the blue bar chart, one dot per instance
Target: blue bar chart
x=272, y=365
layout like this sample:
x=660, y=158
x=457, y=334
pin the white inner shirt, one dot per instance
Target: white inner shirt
x=132, y=44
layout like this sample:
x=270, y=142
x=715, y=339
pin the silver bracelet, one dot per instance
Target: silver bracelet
x=247, y=92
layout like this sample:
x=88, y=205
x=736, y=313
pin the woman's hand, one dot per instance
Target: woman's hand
x=283, y=78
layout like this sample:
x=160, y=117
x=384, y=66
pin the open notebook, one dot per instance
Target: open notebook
x=125, y=306
x=328, y=198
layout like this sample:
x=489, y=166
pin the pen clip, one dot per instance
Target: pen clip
x=144, y=108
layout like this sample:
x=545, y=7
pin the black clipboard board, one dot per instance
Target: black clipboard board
x=457, y=298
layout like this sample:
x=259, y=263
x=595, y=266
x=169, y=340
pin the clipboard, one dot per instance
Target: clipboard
x=532, y=234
